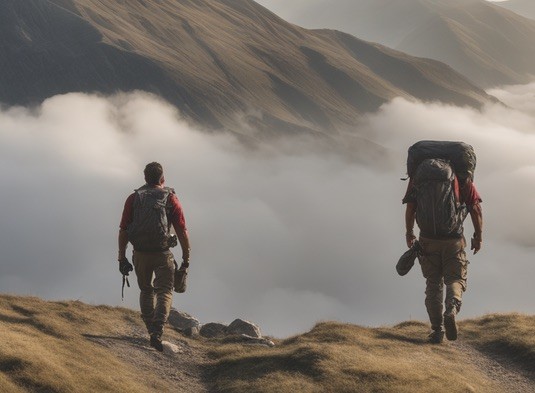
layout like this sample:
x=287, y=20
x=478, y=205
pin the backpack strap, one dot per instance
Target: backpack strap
x=125, y=279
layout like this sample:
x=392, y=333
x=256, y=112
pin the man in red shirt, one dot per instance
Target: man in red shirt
x=151, y=255
x=443, y=260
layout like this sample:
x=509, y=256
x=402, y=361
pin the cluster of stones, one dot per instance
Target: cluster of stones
x=238, y=331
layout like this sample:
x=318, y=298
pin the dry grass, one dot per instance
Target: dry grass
x=335, y=357
x=43, y=348
x=506, y=335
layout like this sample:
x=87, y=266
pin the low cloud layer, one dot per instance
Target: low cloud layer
x=281, y=238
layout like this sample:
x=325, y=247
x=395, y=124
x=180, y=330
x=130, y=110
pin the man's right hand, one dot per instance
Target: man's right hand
x=125, y=267
x=410, y=238
x=476, y=244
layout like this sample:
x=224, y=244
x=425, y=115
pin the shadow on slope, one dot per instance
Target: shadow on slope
x=336, y=357
x=74, y=347
x=71, y=346
x=511, y=337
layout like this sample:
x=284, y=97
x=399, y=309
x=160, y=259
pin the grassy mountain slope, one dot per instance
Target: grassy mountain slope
x=335, y=357
x=485, y=42
x=74, y=347
x=225, y=63
x=43, y=349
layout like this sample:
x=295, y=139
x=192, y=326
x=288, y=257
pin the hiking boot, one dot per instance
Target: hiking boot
x=436, y=337
x=452, y=308
x=156, y=342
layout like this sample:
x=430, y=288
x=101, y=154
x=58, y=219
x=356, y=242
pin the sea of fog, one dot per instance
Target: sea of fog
x=282, y=237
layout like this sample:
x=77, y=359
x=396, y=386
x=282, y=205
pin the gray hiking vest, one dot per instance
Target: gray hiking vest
x=150, y=228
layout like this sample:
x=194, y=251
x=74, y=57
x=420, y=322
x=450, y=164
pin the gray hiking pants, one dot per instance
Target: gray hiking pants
x=443, y=262
x=156, y=296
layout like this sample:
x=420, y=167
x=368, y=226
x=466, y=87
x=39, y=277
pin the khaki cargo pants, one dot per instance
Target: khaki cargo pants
x=442, y=262
x=156, y=296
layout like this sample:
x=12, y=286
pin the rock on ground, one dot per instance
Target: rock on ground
x=213, y=330
x=239, y=326
x=182, y=321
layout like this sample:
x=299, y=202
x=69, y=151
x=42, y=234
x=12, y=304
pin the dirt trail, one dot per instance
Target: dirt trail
x=180, y=365
x=500, y=370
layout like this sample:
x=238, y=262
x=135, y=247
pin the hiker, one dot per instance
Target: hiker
x=439, y=199
x=146, y=220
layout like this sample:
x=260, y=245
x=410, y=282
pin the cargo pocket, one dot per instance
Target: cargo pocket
x=463, y=262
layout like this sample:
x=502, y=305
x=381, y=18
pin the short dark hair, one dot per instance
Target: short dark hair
x=153, y=173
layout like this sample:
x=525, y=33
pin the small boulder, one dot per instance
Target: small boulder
x=213, y=330
x=182, y=321
x=239, y=326
x=192, y=331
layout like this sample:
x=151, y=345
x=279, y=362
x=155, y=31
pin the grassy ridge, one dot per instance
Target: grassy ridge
x=43, y=348
x=336, y=357
x=506, y=335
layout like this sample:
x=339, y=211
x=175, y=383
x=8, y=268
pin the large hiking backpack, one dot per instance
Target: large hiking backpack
x=150, y=228
x=439, y=213
x=459, y=154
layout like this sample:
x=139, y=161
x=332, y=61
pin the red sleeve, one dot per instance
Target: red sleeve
x=128, y=210
x=177, y=215
x=469, y=195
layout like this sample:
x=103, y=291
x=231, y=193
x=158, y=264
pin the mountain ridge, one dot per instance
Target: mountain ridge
x=484, y=41
x=226, y=64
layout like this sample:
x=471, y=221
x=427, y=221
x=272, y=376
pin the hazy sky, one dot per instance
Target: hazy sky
x=282, y=239
x=297, y=11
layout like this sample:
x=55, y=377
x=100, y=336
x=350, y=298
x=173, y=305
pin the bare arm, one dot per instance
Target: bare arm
x=183, y=238
x=123, y=244
x=410, y=217
x=476, y=214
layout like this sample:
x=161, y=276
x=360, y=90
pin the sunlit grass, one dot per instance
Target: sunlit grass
x=45, y=348
x=335, y=357
x=42, y=348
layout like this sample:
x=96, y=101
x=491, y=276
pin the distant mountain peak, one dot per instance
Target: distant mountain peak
x=482, y=40
x=215, y=60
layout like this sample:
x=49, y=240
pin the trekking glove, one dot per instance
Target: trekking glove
x=125, y=267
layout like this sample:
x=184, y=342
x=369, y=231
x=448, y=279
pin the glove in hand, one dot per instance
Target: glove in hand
x=125, y=267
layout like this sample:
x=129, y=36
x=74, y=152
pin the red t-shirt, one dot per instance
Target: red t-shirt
x=467, y=193
x=176, y=215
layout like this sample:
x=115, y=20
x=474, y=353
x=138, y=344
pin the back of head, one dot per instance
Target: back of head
x=153, y=174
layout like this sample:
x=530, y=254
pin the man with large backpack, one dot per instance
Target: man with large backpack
x=440, y=195
x=146, y=222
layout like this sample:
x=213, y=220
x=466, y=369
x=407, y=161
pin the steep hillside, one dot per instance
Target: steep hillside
x=521, y=7
x=485, y=42
x=67, y=347
x=226, y=63
x=74, y=347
